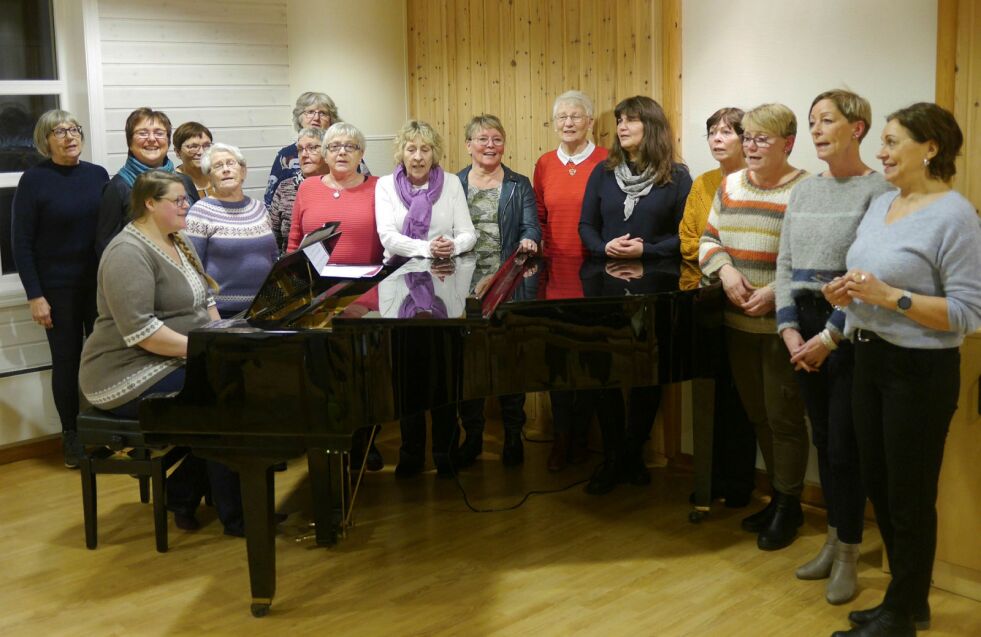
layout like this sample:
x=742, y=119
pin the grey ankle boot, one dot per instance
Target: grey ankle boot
x=820, y=566
x=843, y=583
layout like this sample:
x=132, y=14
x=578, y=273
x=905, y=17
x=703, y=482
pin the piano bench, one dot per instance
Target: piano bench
x=104, y=436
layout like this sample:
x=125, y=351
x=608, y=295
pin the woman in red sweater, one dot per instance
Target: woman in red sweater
x=559, y=183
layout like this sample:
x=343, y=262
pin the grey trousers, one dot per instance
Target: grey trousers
x=771, y=396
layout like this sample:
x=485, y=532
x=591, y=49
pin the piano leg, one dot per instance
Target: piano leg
x=258, y=493
x=703, y=419
x=329, y=482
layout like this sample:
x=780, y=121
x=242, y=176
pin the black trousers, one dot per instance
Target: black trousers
x=572, y=411
x=903, y=401
x=446, y=435
x=625, y=427
x=72, y=314
x=512, y=414
x=827, y=396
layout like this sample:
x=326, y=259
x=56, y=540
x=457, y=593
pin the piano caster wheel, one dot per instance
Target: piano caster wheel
x=259, y=610
x=696, y=516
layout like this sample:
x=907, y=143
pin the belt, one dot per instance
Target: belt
x=866, y=336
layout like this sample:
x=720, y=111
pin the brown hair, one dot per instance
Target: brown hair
x=854, y=107
x=656, y=152
x=142, y=113
x=153, y=184
x=187, y=130
x=926, y=122
x=728, y=115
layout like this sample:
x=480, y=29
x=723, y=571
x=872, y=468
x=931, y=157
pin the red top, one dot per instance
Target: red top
x=559, y=189
x=355, y=208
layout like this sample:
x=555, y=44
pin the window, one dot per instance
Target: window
x=30, y=84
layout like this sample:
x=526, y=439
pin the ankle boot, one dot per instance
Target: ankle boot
x=559, y=457
x=843, y=583
x=761, y=519
x=633, y=469
x=888, y=623
x=820, y=566
x=782, y=530
x=470, y=450
x=921, y=617
x=513, y=453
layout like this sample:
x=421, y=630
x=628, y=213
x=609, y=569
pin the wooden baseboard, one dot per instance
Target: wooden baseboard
x=37, y=448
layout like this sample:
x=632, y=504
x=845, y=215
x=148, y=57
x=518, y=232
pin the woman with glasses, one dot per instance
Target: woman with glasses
x=231, y=232
x=312, y=110
x=152, y=290
x=819, y=225
x=191, y=141
x=739, y=247
x=420, y=212
x=312, y=164
x=559, y=183
x=733, y=440
x=342, y=194
x=147, y=139
x=911, y=294
x=631, y=210
x=54, y=215
x=503, y=210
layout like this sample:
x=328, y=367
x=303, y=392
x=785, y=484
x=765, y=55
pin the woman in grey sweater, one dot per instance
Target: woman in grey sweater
x=911, y=294
x=818, y=226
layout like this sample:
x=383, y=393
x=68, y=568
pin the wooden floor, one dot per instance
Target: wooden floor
x=418, y=562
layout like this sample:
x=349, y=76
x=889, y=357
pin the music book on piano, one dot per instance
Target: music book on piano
x=318, y=245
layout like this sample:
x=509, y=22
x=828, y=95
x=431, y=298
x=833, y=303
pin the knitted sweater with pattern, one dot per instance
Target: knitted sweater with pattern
x=743, y=230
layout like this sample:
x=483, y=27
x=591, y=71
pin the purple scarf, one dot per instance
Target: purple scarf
x=422, y=297
x=420, y=203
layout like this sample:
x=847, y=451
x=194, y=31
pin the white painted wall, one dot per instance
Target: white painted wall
x=356, y=53
x=747, y=52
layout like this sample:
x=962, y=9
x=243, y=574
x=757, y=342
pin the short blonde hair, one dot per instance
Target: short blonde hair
x=854, y=107
x=418, y=129
x=775, y=119
x=49, y=121
x=481, y=122
x=342, y=129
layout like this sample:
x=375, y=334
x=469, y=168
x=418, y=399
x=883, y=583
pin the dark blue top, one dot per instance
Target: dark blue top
x=655, y=217
x=55, y=211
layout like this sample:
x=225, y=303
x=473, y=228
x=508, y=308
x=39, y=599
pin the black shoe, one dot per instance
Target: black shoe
x=605, y=478
x=444, y=468
x=513, y=453
x=737, y=500
x=186, y=522
x=782, y=530
x=375, y=462
x=235, y=530
x=633, y=469
x=409, y=466
x=887, y=623
x=72, y=449
x=921, y=618
x=761, y=519
x=470, y=450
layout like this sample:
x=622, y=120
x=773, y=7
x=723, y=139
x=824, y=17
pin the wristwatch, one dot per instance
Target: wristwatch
x=904, y=302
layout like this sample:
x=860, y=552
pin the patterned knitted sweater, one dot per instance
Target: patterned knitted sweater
x=743, y=230
x=236, y=247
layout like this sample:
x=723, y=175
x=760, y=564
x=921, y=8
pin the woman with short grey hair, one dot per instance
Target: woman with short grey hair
x=309, y=142
x=55, y=212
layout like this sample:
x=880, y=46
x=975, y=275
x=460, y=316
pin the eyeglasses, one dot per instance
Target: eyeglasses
x=180, y=202
x=144, y=134
x=336, y=148
x=193, y=148
x=761, y=141
x=311, y=149
x=228, y=163
x=313, y=112
x=74, y=131
x=575, y=119
x=488, y=141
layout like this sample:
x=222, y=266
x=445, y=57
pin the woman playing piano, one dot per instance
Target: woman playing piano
x=152, y=290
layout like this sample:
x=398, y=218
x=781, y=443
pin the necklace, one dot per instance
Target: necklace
x=337, y=187
x=572, y=168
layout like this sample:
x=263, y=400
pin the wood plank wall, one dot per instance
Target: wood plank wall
x=512, y=58
x=223, y=63
x=967, y=95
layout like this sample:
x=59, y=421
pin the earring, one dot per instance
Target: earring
x=926, y=162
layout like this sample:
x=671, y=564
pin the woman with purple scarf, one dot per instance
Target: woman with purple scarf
x=421, y=213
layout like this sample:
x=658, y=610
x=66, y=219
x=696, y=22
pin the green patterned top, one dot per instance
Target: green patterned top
x=483, y=210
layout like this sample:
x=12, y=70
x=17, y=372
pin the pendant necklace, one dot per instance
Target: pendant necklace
x=572, y=168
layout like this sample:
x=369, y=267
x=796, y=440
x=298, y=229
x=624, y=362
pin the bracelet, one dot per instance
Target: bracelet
x=827, y=340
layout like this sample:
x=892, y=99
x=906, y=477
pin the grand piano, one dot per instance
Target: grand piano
x=318, y=357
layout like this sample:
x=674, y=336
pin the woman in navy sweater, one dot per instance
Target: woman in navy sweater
x=55, y=210
x=633, y=205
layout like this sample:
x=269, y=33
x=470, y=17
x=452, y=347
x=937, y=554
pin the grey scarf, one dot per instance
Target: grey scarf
x=634, y=186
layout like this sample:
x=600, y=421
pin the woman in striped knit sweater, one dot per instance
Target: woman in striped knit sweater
x=739, y=247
